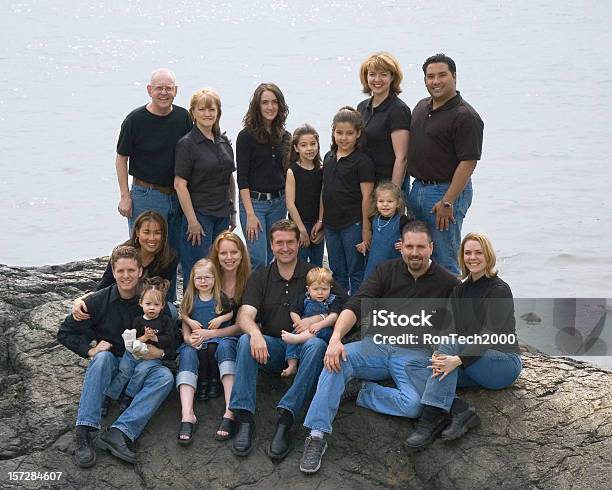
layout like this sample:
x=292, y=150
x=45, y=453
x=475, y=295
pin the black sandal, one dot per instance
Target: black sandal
x=227, y=425
x=186, y=429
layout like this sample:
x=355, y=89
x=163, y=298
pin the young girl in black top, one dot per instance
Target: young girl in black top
x=260, y=148
x=348, y=180
x=304, y=180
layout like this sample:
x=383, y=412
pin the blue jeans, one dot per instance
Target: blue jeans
x=268, y=213
x=494, y=370
x=168, y=206
x=345, y=262
x=313, y=253
x=132, y=372
x=226, y=355
x=245, y=384
x=294, y=350
x=190, y=254
x=156, y=385
x=188, y=366
x=446, y=243
x=369, y=361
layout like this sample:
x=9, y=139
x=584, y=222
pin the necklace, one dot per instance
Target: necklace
x=379, y=226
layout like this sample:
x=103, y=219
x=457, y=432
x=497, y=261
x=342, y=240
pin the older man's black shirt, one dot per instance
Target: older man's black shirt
x=109, y=315
x=272, y=295
x=391, y=279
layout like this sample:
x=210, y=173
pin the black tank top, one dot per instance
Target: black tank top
x=307, y=192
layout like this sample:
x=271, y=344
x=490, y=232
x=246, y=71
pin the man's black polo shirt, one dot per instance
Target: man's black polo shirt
x=391, y=279
x=441, y=138
x=150, y=140
x=109, y=315
x=341, y=187
x=206, y=165
x=380, y=122
x=272, y=296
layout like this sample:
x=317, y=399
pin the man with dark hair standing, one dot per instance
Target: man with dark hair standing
x=111, y=311
x=147, y=140
x=413, y=275
x=264, y=313
x=445, y=144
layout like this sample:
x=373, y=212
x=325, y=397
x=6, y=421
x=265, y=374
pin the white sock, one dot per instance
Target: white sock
x=316, y=434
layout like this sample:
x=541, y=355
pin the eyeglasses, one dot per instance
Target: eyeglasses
x=203, y=278
x=162, y=88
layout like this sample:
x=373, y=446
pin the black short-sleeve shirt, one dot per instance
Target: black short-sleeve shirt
x=441, y=138
x=341, y=187
x=150, y=140
x=392, y=279
x=272, y=295
x=308, y=185
x=380, y=122
x=207, y=166
x=260, y=165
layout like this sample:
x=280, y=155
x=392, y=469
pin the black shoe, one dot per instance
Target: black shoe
x=351, y=390
x=280, y=443
x=105, y=406
x=116, y=443
x=242, y=443
x=430, y=424
x=202, y=394
x=460, y=423
x=214, y=389
x=126, y=401
x=314, y=449
x=85, y=452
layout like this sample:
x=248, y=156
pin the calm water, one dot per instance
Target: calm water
x=537, y=72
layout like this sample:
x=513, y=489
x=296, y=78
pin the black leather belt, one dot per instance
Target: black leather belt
x=266, y=196
x=433, y=182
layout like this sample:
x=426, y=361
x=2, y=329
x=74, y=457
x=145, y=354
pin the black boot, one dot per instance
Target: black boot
x=85, y=452
x=126, y=401
x=463, y=418
x=430, y=424
x=214, y=388
x=106, y=406
x=202, y=394
x=280, y=443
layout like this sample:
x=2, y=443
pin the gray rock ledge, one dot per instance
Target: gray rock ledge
x=553, y=429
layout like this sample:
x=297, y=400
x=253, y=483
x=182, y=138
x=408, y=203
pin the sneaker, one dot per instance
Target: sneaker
x=314, y=449
x=460, y=423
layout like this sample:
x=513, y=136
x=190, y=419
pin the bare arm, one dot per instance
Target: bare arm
x=328, y=321
x=234, y=205
x=316, y=235
x=253, y=226
x=195, y=232
x=366, y=197
x=399, y=140
x=444, y=215
x=335, y=349
x=246, y=322
x=293, y=210
x=125, y=202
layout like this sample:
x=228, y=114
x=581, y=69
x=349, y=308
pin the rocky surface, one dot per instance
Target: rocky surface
x=553, y=429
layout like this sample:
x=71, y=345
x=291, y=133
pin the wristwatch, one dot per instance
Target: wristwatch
x=163, y=354
x=447, y=204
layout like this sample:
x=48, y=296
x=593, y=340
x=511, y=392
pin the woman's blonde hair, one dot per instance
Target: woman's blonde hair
x=190, y=292
x=487, y=250
x=209, y=98
x=381, y=61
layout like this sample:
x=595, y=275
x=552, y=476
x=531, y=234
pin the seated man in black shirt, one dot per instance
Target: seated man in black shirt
x=413, y=275
x=111, y=311
x=268, y=297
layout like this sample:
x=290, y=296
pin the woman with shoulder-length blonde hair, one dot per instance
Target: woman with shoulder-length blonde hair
x=204, y=182
x=485, y=353
x=386, y=117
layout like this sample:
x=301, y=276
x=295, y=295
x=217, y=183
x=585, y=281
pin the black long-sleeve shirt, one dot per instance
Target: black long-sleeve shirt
x=481, y=307
x=109, y=315
x=260, y=165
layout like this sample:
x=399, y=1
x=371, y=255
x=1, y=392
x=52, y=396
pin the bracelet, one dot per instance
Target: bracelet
x=322, y=316
x=320, y=221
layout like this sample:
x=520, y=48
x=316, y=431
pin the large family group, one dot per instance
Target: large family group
x=387, y=201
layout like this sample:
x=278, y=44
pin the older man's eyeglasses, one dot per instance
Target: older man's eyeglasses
x=164, y=88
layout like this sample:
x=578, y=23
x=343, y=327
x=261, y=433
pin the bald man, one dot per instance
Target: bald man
x=147, y=141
